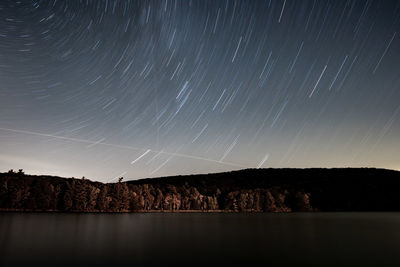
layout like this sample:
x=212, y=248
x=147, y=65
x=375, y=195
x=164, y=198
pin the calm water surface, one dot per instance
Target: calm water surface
x=46, y=239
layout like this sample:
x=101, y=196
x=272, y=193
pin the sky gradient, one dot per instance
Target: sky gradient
x=139, y=89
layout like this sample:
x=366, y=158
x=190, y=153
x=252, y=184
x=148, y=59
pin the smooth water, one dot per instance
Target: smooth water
x=49, y=239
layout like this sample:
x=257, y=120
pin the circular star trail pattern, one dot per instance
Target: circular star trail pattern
x=152, y=88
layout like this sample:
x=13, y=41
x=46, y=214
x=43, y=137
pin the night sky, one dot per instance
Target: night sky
x=138, y=89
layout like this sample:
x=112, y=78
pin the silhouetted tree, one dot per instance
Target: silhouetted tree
x=103, y=200
x=80, y=196
x=92, y=192
x=69, y=195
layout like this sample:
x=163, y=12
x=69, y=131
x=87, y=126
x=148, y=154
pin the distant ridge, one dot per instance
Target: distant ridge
x=249, y=190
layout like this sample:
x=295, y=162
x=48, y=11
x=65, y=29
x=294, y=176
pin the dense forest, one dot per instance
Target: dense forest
x=250, y=190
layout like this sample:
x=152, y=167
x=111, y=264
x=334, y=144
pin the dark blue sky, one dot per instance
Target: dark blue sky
x=153, y=88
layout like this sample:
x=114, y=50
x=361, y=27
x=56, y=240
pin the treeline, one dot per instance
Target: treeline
x=266, y=190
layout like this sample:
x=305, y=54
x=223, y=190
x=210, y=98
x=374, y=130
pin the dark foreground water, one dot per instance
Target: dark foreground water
x=45, y=239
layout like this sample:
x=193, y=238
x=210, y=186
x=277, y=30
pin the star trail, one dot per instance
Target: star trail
x=156, y=88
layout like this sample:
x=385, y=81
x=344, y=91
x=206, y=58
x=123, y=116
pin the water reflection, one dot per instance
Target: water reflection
x=152, y=239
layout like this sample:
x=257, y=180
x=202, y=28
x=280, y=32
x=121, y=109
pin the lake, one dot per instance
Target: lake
x=50, y=239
